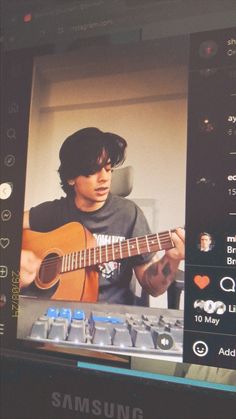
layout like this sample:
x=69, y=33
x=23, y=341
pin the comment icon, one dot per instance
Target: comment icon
x=227, y=284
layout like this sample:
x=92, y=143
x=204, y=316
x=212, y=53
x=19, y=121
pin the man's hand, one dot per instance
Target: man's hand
x=29, y=266
x=157, y=275
x=178, y=252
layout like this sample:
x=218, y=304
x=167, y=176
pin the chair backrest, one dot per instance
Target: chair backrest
x=122, y=184
x=122, y=181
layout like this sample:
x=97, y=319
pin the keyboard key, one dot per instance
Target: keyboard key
x=167, y=328
x=77, y=332
x=108, y=326
x=65, y=313
x=106, y=318
x=161, y=321
x=62, y=320
x=48, y=320
x=179, y=323
x=178, y=334
x=155, y=331
x=117, y=317
x=150, y=324
x=39, y=330
x=58, y=331
x=150, y=318
x=101, y=336
x=78, y=314
x=52, y=312
x=121, y=337
x=142, y=338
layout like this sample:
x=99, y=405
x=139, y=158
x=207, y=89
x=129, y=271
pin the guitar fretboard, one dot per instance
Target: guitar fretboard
x=116, y=251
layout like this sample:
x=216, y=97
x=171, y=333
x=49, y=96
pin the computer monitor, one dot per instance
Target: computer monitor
x=91, y=276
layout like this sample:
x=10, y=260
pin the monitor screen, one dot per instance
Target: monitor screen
x=118, y=190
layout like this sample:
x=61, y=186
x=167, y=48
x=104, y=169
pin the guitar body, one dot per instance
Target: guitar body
x=69, y=255
x=77, y=285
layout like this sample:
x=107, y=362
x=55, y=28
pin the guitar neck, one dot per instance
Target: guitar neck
x=116, y=251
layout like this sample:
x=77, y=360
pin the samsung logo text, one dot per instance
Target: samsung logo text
x=98, y=408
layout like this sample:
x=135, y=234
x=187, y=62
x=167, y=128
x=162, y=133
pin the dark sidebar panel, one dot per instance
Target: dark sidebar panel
x=210, y=306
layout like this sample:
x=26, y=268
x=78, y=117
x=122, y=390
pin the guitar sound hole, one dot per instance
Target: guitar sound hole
x=50, y=268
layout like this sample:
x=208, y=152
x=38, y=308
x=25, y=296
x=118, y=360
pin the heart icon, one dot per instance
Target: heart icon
x=201, y=281
x=4, y=242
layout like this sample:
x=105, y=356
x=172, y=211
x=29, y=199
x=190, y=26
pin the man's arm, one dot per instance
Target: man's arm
x=29, y=263
x=157, y=275
x=26, y=223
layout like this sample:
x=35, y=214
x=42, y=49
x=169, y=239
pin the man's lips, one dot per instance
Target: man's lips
x=102, y=190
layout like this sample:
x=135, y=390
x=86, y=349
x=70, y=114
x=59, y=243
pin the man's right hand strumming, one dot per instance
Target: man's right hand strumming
x=29, y=266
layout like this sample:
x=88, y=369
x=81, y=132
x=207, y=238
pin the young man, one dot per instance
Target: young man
x=205, y=244
x=87, y=158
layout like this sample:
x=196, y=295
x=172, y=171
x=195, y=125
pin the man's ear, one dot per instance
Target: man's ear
x=71, y=182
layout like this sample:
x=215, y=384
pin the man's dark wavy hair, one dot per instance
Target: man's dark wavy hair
x=86, y=152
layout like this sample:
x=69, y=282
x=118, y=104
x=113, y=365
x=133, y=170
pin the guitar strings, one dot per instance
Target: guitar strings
x=164, y=238
x=108, y=248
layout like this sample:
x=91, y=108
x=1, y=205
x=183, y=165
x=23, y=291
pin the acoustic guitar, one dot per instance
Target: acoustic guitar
x=70, y=255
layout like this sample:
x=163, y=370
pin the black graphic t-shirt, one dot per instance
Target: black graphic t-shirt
x=117, y=220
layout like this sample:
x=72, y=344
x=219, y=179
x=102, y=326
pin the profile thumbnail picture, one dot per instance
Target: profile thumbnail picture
x=205, y=242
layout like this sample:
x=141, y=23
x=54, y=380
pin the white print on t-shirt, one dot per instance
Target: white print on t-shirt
x=108, y=269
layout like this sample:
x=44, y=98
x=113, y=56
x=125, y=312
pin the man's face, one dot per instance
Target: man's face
x=91, y=191
x=205, y=242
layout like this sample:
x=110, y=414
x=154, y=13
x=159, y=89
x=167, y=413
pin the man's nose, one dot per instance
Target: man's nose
x=103, y=174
